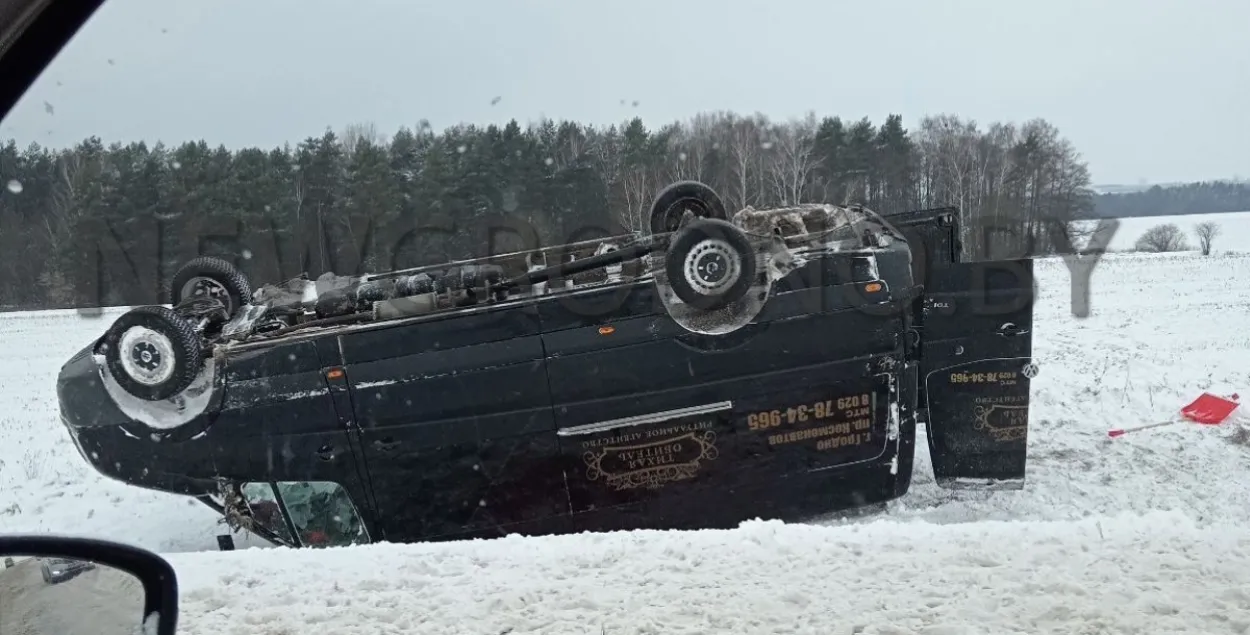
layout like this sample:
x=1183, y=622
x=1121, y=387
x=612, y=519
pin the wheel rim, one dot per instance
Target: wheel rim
x=672, y=215
x=711, y=267
x=146, y=356
x=208, y=288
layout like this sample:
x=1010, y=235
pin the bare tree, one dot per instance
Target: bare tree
x=791, y=159
x=1162, y=238
x=689, y=148
x=355, y=133
x=951, y=167
x=996, y=167
x=1013, y=184
x=1206, y=231
x=744, y=143
x=637, y=187
x=701, y=145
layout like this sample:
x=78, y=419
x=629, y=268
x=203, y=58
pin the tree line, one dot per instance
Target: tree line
x=1192, y=198
x=99, y=224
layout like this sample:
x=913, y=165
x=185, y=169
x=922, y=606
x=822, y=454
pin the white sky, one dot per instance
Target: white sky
x=1148, y=90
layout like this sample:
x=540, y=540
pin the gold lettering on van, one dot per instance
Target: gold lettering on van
x=830, y=437
x=651, y=464
x=827, y=424
x=1002, y=422
x=1003, y=378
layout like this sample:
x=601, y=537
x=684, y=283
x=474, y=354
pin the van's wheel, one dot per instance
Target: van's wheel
x=212, y=277
x=673, y=201
x=710, y=264
x=153, y=353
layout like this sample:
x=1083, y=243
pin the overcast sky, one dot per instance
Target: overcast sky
x=1148, y=90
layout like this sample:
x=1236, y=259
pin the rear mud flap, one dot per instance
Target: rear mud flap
x=982, y=410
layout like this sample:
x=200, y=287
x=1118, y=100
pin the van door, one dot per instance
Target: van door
x=279, y=412
x=661, y=427
x=455, y=425
x=975, y=322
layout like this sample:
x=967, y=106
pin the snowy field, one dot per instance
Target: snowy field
x=1148, y=533
x=1234, y=230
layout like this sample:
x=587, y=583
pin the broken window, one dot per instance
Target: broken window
x=267, y=513
x=320, y=513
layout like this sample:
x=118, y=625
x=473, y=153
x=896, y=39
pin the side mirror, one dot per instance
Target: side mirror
x=82, y=586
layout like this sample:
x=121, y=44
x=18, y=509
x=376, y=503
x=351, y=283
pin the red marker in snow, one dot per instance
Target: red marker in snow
x=1119, y=432
x=1207, y=409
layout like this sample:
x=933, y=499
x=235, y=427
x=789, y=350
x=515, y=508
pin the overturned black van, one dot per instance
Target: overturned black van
x=773, y=363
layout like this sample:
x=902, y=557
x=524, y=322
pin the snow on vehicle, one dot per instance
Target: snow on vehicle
x=773, y=364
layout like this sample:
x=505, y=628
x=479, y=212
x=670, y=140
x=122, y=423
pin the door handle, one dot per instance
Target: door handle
x=1011, y=329
x=326, y=452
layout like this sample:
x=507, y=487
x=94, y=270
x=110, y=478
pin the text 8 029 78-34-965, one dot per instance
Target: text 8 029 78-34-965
x=843, y=407
x=821, y=425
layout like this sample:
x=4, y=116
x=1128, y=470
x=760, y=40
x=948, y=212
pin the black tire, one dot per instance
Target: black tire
x=721, y=264
x=674, y=200
x=174, y=354
x=212, y=276
x=47, y=572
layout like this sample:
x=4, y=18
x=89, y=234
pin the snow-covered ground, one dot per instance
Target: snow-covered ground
x=1133, y=575
x=1147, y=533
x=1234, y=230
